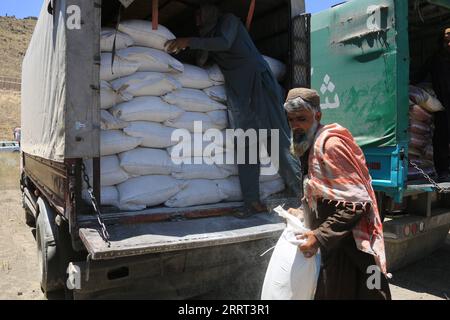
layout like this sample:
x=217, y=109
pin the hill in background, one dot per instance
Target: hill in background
x=15, y=35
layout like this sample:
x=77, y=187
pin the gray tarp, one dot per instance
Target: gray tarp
x=60, y=83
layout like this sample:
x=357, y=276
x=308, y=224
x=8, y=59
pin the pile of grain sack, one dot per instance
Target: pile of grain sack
x=423, y=103
x=146, y=94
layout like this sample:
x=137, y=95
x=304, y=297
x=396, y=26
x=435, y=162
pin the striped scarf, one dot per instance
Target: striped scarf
x=338, y=173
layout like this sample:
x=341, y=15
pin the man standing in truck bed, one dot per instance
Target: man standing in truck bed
x=339, y=205
x=254, y=96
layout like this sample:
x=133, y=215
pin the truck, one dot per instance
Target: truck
x=92, y=251
x=365, y=54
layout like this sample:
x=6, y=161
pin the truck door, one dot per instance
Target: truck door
x=360, y=69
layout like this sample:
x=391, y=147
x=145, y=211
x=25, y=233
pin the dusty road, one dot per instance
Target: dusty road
x=427, y=279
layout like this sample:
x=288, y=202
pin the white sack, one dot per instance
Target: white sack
x=231, y=187
x=146, y=84
x=109, y=122
x=110, y=171
x=148, y=190
x=146, y=161
x=146, y=109
x=115, y=141
x=193, y=100
x=151, y=60
x=122, y=67
x=107, y=40
x=194, y=146
x=194, y=77
x=187, y=119
x=271, y=187
x=143, y=34
x=215, y=74
x=109, y=196
x=278, y=68
x=110, y=97
x=199, y=171
x=196, y=192
x=217, y=93
x=290, y=276
x=153, y=134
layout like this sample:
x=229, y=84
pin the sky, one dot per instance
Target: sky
x=25, y=8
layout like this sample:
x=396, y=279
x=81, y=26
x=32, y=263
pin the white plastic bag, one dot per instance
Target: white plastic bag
x=194, y=77
x=115, y=141
x=196, y=192
x=278, y=68
x=193, y=100
x=109, y=122
x=148, y=190
x=146, y=84
x=146, y=161
x=143, y=34
x=122, y=67
x=151, y=60
x=217, y=93
x=152, y=134
x=187, y=119
x=215, y=74
x=290, y=276
x=146, y=109
x=107, y=40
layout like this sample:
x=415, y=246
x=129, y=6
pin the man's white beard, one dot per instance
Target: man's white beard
x=300, y=148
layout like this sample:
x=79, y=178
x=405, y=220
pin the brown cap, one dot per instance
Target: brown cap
x=306, y=94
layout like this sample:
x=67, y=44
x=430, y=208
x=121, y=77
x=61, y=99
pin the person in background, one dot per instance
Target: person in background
x=339, y=205
x=255, y=98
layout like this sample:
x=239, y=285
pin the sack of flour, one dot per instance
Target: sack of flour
x=115, y=141
x=110, y=97
x=146, y=84
x=278, y=68
x=109, y=196
x=196, y=192
x=217, y=93
x=147, y=161
x=193, y=100
x=109, y=122
x=111, y=172
x=122, y=67
x=146, y=109
x=151, y=60
x=231, y=187
x=215, y=74
x=187, y=121
x=143, y=34
x=151, y=134
x=190, y=171
x=149, y=190
x=194, y=77
x=107, y=36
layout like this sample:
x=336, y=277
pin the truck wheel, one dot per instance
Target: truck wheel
x=29, y=218
x=47, y=252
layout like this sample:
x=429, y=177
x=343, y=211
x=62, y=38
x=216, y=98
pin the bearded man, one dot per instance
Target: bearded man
x=339, y=205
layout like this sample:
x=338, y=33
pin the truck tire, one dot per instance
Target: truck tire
x=48, y=258
x=29, y=218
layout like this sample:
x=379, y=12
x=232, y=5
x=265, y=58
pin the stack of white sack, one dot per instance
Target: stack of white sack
x=423, y=103
x=146, y=94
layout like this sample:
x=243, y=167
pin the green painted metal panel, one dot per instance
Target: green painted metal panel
x=360, y=68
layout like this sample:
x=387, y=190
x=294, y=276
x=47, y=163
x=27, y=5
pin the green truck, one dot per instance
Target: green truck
x=363, y=54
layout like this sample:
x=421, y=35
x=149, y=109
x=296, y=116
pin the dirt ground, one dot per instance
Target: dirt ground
x=427, y=279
